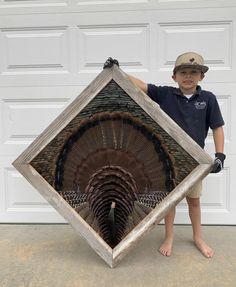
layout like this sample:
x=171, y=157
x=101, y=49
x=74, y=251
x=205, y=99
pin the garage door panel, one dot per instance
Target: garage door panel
x=34, y=50
x=182, y=34
x=20, y=202
x=25, y=119
x=117, y=41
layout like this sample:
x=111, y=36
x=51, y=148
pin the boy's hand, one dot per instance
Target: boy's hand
x=218, y=162
x=110, y=62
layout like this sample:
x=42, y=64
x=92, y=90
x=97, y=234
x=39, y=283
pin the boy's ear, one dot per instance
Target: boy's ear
x=174, y=77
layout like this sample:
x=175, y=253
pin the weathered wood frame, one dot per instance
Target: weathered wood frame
x=22, y=164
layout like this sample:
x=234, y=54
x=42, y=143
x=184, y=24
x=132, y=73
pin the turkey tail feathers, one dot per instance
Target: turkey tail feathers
x=106, y=138
x=116, y=168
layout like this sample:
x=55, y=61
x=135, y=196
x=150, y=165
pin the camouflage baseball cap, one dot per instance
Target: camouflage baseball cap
x=190, y=60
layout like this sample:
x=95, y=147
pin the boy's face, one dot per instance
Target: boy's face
x=187, y=79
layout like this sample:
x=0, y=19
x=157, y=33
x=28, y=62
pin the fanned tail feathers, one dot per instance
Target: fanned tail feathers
x=114, y=170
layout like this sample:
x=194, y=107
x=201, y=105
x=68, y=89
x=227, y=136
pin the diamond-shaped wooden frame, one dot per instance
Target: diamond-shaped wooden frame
x=22, y=164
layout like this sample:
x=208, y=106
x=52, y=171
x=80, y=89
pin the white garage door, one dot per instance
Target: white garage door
x=52, y=49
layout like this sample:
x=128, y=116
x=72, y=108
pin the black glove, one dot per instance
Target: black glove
x=110, y=62
x=218, y=162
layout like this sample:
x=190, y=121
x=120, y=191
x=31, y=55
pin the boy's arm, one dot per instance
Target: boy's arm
x=218, y=136
x=139, y=83
x=110, y=62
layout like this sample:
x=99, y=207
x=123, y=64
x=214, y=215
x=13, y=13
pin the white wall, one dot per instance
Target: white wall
x=51, y=49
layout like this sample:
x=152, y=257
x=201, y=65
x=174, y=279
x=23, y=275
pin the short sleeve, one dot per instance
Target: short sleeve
x=157, y=93
x=215, y=118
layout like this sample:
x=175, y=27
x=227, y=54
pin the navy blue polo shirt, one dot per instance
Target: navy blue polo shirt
x=194, y=115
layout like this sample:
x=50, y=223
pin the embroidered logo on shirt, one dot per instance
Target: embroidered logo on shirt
x=200, y=105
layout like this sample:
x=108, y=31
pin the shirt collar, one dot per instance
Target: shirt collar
x=196, y=93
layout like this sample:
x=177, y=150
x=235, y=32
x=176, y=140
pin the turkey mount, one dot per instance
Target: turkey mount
x=113, y=164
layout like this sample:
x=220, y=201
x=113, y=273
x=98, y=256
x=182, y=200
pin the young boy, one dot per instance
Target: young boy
x=194, y=110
